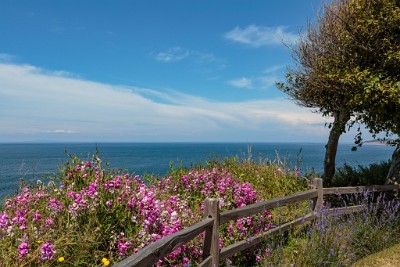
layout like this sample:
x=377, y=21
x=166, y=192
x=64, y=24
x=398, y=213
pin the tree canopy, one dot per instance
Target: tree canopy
x=348, y=67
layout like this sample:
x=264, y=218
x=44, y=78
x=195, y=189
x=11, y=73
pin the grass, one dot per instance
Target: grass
x=389, y=257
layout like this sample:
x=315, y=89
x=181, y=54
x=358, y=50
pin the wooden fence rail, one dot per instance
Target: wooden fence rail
x=212, y=220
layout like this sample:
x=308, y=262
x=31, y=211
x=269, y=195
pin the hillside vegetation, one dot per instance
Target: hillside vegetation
x=88, y=215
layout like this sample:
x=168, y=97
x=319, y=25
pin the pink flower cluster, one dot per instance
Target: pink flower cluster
x=218, y=183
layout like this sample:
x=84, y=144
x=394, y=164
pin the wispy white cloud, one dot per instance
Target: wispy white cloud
x=242, y=82
x=265, y=80
x=33, y=100
x=208, y=59
x=257, y=36
x=172, y=54
x=6, y=57
x=196, y=57
x=61, y=132
x=273, y=69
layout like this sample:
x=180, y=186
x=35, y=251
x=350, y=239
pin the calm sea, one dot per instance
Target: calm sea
x=32, y=161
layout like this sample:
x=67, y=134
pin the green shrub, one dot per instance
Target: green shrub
x=374, y=174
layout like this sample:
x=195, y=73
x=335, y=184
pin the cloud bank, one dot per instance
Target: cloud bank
x=37, y=104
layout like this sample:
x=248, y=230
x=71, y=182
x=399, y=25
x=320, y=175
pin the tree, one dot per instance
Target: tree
x=381, y=80
x=347, y=66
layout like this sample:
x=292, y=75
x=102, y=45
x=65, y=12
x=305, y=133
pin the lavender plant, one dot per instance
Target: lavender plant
x=336, y=239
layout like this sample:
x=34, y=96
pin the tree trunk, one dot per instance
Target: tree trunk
x=339, y=123
x=393, y=176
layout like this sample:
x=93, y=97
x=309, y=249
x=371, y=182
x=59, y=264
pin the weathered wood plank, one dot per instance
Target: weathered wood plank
x=254, y=240
x=206, y=262
x=261, y=206
x=359, y=189
x=318, y=201
x=164, y=246
x=211, y=238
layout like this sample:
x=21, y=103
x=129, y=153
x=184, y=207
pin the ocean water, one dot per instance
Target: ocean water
x=32, y=161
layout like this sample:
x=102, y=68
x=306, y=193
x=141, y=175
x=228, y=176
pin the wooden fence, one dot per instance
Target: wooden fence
x=213, y=219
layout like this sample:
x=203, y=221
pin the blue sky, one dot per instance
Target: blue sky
x=151, y=71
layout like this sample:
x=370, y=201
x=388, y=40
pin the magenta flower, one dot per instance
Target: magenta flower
x=186, y=261
x=49, y=221
x=110, y=203
x=47, y=251
x=4, y=221
x=55, y=205
x=36, y=217
x=123, y=247
x=258, y=258
x=267, y=252
x=23, y=248
x=230, y=230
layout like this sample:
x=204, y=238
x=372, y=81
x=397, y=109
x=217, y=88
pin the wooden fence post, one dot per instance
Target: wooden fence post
x=318, y=201
x=211, y=238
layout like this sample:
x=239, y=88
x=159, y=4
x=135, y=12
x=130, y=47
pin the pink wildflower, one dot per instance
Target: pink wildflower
x=258, y=258
x=267, y=252
x=230, y=230
x=186, y=261
x=49, y=221
x=47, y=251
x=123, y=247
x=36, y=217
x=23, y=248
x=55, y=205
x=110, y=203
x=4, y=221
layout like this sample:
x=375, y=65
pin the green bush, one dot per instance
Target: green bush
x=374, y=174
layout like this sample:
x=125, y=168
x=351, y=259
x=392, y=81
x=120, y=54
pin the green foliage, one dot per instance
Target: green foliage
x=350, y=59
x=374, y=174
x=348, y=67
